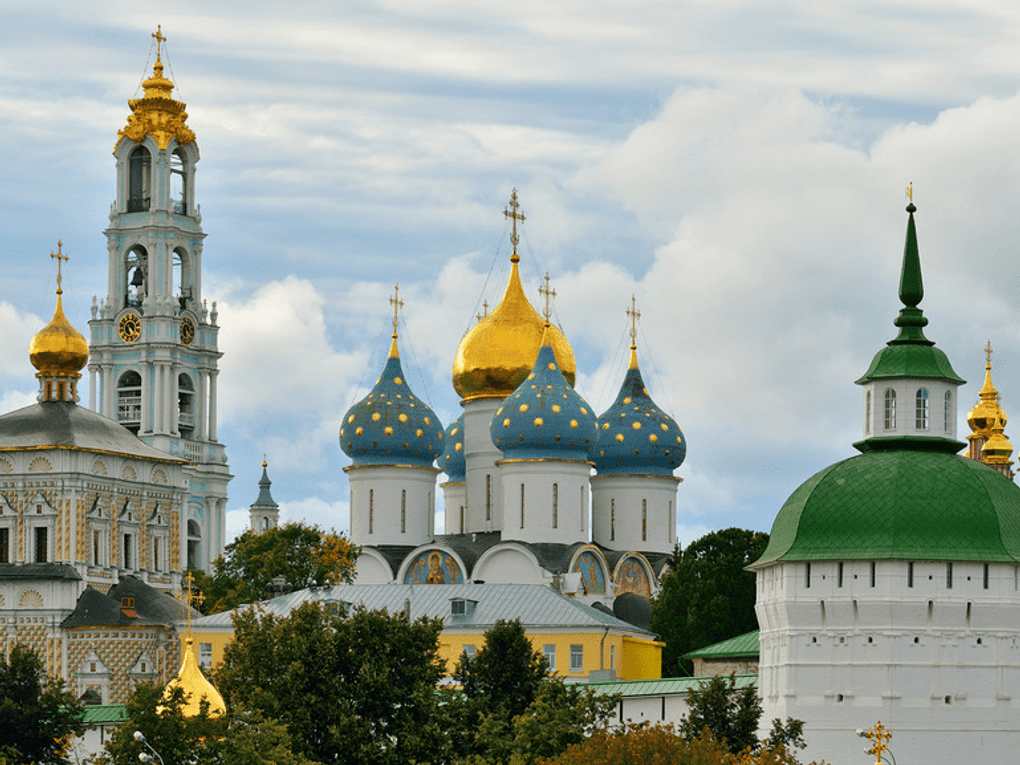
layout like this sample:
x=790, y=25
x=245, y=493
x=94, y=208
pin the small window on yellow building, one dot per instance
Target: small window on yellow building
x=576, y=658
x=549, y=652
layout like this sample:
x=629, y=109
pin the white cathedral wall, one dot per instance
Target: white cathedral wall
x=455, y=518
x=392, y=505
x=545, y=500
x=938, y=665
x=634, y=512
x=508, y=563
x=484, y=511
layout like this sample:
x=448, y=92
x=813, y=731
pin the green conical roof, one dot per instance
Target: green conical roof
x=911, y=354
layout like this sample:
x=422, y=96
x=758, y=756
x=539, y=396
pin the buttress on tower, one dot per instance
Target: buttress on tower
x=154, y=355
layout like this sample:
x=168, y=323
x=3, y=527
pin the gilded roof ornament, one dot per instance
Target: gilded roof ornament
x=157, y=113
x=58, y=349
x=983, y=417
x=546, y=293
x=514, y=215
x=397, y=304
x=634, y=315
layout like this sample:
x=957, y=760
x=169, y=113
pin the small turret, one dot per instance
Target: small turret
x=264, y=512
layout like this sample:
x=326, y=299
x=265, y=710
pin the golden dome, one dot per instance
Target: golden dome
x=58, y=349
x=195, y=686
x=997, y=449
x=983, y=416
x=498, y=353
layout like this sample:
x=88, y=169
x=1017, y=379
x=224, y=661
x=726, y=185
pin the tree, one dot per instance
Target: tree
x=305, y=556
x=357, y=688
x=507, y=671
x=707, y=596
x=731, y=716
x=37, y=713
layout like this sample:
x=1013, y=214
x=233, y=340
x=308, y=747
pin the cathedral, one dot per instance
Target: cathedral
x=522, y=505
x=101, y=508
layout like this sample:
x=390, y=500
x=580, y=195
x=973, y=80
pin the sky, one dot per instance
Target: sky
x=739, y=167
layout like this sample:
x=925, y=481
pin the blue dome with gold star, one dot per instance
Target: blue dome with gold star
x=391, y=426
x=451, y=461
x=635, y=436
x=544, y=418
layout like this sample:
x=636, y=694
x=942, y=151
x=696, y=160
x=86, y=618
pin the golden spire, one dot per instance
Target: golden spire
x=397, y=304
x=634, y=315
x=985, y=419
x=516, y=216
x=157, y=113
x=547, y=293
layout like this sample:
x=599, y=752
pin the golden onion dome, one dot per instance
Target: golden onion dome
x=997, y=449
x=195, y=686
x=498, y=353
x=58, y=349
x=983, y=416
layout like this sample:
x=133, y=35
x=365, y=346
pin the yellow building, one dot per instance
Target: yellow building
x=580, y=643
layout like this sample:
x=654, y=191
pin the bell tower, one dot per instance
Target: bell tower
x=154, y=355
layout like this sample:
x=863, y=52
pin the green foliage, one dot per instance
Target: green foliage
x=37, y=714
x=511, y=710
x=305, y=556
x=660, y=745
x=707, y=596
x=354, y=689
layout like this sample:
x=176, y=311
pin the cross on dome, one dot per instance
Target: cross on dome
x=547, y=293
x=397, y=304
x=60, y=256
x=634, y=315
x=159, y=38
x=516, y=216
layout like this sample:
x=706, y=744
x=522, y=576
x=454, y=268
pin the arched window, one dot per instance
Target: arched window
x=612, y=519
x=136, y=270
x=185, y=406
x=129, y=401
x=644, y=520
x=371, y=511
x=194, y=544
x=921, y=409
x=947, y=413
x=522, y=505
x=556, y=506
x=890, y=409
x=183, y=289
x=179, y=183
x=403, y=511
x=867, y=412
x=139, y=180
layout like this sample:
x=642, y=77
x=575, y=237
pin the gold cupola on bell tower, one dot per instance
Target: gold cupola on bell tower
x=987, y=421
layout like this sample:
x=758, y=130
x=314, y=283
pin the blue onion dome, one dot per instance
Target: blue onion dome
x=391, y=426
x=545, y=418
x=635, y=436
x=451, y=461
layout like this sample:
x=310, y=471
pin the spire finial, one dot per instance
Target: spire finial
x=186, y=598
x=265, y=463
x=988, y=355
x=60, y=256
x=911, y=285
x=910, y=192
x=516, y=216
x=160, y=39
x=548, y=293
x=634, y=315
x=397, y=304
x=485, y=310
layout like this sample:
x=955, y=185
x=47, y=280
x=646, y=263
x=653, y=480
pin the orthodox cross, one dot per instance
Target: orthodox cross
x=634, y=315
x=988, y=354
x=485, y=308
x=60, y=256
x=910, y=192
x=516, y=216
x=186, y=598
x=548, y=293
x=397, y=304
x=879, y=737
x=159, y=38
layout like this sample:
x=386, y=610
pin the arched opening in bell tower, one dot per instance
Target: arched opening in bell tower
x=179, y=182
x=186, y=406
x=129, y=401
x=139, y=179
x=194, y=544
x=183, y=289
x=136, y=268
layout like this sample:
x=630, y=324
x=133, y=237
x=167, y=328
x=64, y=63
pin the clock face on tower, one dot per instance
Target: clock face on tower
x=130, y=327
x=187, y=331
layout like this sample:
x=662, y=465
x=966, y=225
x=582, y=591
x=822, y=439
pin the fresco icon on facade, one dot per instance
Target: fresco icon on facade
x=591, y=572
x=434, y=567
x=632, y=577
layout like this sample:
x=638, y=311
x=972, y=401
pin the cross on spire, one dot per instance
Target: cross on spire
x=485, y=310
x=634, y=315
x=516, y=216
x=548, y=293
x=60, y=256
x=186, y=598
x=988, y=354
x=159, y=38
x=397, y=304
x=910, y=192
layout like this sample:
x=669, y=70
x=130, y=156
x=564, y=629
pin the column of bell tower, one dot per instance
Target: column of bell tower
x=154, y=341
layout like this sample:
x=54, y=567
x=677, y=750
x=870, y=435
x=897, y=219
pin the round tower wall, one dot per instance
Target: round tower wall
x=545, y=500
x=392, y=505
x=634, y=512
x=484, y=506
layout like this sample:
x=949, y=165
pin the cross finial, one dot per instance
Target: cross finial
x=988, y=354
x=186, y=597
x=548, y=293
x=60, y=256
x=634, y=315
x=397, y=304
x=910, y=192
x=485, y=310
x=516, y=216
x=159, y=38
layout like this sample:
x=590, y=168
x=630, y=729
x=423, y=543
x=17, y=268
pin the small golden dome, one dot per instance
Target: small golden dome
x=196, y=687
x=498, y=353
x=58, y=349
x=997, y=449
x=983, y=416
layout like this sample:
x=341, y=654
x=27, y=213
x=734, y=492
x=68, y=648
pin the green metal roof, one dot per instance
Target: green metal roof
x=900, y=504
x=911, y=359
x=735, y=647
x=100, y=714
x=667, y=686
